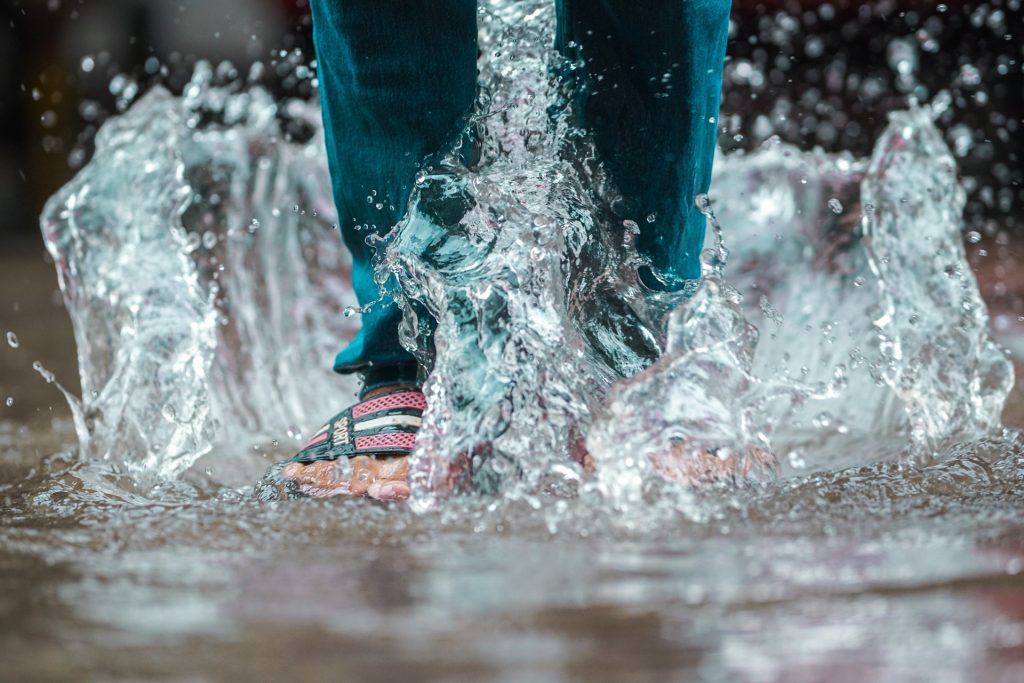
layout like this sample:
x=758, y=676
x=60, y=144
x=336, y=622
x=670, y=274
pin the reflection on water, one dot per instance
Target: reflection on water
x=864, y=574
x=839, y=351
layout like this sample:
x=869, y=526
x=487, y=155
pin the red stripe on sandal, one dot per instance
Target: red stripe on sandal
x=406, y=399
x=315, y=440
x=403, y=440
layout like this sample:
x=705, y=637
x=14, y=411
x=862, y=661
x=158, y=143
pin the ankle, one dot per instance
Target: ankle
x=387, y=377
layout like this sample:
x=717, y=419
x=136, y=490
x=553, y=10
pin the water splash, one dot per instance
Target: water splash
x=875, y=339
x=887, y=344
x=535, y=296
x=205, y=305
x=207, y=291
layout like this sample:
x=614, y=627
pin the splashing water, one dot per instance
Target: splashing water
x=206, y=287
x=206, y=304
x=874, y=339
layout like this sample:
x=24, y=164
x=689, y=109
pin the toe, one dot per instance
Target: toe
x=391, y=491
x=390, y=479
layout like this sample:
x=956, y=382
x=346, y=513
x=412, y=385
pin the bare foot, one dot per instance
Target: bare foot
x=380, y=477
x=692, y=466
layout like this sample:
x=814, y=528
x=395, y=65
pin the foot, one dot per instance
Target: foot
x=692, y=466
x=341, y=469
x=383, y=477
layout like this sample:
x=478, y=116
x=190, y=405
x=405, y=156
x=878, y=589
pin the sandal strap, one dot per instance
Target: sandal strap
x=383, y=425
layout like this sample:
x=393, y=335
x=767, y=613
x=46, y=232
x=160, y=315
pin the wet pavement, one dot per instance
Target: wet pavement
x=881, y=573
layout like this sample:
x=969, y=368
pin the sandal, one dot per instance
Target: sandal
x=383, y=425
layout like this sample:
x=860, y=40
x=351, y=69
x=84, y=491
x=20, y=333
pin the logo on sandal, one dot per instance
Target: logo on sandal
x=341, y=431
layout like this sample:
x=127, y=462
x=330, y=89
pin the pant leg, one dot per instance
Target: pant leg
x=396, y=79
x=653, y=74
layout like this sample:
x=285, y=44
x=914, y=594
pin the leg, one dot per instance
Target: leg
x=396, y=79
x=651, y=96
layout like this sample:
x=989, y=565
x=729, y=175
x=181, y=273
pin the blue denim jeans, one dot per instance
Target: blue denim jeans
x=398, y=78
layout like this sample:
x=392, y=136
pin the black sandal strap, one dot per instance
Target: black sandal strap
x=383, y=425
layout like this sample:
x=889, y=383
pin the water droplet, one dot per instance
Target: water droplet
x=796, y=460
x=209, y=239
x=941, y=103
x=46, y=374
x=962, y=137
x=88, y=64
x=970, y=75
x=770, y=311
x=858, y=281
x=192, y=241
x=12, y=340
x=350, y=311
x=835, y=205
x=974, y=237
x=902, y=57
x=823, y=419
x=651, y=218
x=9, y=401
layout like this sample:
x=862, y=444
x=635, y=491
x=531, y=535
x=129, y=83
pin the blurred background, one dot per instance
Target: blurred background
x=66, y=64
x=813, y=73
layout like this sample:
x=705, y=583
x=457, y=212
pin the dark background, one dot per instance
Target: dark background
x=58, y=59
x=823, y=75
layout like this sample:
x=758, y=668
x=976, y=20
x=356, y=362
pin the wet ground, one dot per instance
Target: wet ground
x=874, y=574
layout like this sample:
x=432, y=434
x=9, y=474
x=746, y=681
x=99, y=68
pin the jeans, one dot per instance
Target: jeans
x=398, y=78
